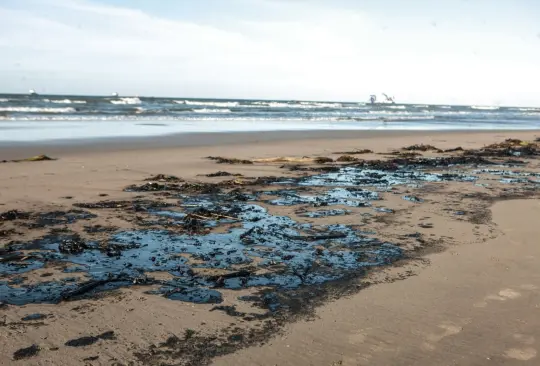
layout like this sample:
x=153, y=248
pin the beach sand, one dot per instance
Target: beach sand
x=467, y=293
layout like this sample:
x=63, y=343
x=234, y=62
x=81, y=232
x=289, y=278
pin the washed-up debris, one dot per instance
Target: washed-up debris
x=404, y=154
x=407, y=163
x=4, y=233
x=346, y=158
x=39, y=220
x=89, y=340
x=422, y=147
x=27, y=352
x=509, y=147
x=152, y=187
x=94, y=229
x=293, y=168
x=355, y=152
x=325, y=213
x=165, y=178
x=7, y=256
x=35, y=158
x=195, y=295
x=222, y=174
x=91, y=358
x=58, y=218
x=222, y=160
x=36, y=316
x=323, y=160
x=455, y=149
x=14, y=215
x=134, y=205
x=383, y=209
x=72, y=245
x=413, y=199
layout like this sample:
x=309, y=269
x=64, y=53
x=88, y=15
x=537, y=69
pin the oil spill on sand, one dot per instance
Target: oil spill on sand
x=285, y=262
x=290, y=254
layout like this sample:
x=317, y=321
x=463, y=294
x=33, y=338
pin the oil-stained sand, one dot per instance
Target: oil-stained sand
x=180, y=271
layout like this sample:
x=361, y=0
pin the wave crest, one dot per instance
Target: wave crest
x=210, y=110
x=133, y=100
x=66, y=101
x=37, y=110
x=485, y=108
x=210, y=104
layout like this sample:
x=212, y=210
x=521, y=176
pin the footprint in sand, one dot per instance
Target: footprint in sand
x=357, y=338
x=448, y=329
x=524, y=353
x=521, y=354
x=503, y=295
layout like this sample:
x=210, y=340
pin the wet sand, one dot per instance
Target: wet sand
x=474, y=304
x=466, y=294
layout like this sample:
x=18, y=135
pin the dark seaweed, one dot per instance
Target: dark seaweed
x=89, y=340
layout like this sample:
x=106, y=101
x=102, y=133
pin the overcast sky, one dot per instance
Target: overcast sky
x=444, y=51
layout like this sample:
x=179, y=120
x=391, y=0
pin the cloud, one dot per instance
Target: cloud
x=261, y=49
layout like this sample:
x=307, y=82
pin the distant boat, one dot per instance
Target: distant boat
x=32, y=92
x=115, y=94
x=384, y=100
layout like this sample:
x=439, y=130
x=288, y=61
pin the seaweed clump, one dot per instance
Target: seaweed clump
x=323, y=160
x=509, y=147
x=422, y=147
x=222, y=160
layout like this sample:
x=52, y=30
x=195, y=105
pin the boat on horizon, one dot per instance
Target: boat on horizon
x=32, y=92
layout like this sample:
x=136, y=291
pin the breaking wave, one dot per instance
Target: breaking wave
x=66, y=101
x=209, y=104
x=396, y=107
x=485, y=108
x=210, y=110
x=37, y=110
x=134, y=100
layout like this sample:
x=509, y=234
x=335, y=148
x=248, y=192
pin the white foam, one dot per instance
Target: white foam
x=411, y=118
x=37, y=110
x=134, y=100
x=390, y=112
x=3, y=100
x=445, y=106
x=66, y=101
x=319, y=105
x=396, y=107
x=485, y=108
x=210, y=110
x=526, y=109
x=209, y=104
x=421, y=106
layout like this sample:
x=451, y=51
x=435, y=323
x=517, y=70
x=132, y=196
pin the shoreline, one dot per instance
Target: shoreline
x=21, y=150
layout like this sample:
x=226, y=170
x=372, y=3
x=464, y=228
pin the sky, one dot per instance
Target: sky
x=421, y=51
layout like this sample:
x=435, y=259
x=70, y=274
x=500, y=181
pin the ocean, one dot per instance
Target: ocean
x=51, y=117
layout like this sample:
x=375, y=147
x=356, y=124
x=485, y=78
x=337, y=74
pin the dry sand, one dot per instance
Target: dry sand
x=467, y=295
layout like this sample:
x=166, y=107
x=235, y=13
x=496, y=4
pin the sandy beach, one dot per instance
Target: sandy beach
x=417, y=252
